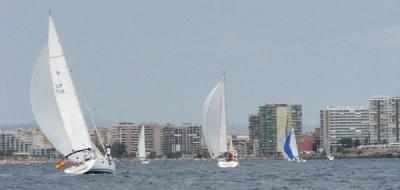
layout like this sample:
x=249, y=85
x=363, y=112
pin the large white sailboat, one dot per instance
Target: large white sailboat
x=214, y=127
x=290, y=151
x=142, y=147
x=56, y=108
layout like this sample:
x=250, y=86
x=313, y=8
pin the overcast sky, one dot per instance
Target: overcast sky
x=158, y=60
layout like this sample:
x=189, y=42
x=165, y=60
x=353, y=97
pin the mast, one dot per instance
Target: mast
x=224, y=115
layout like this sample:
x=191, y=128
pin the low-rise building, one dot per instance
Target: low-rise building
x=18, y=140
x=41, y=146
x=305, y=143
x=240, y=145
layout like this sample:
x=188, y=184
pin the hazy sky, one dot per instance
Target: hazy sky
x=158, y=60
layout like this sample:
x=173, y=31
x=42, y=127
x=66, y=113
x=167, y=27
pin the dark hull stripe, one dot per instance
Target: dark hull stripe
x=99, y=171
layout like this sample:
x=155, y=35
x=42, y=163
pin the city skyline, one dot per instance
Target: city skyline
x=159, y=64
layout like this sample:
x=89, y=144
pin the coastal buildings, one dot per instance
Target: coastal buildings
x=18, y=140
x=41, y=146
x=104, y=133
x=384, y=119
x=184, y=138
x=128, y=133
x=344, y=122
x=254, y=132
x=274, y=119
x=240, y=144
x=306, y=142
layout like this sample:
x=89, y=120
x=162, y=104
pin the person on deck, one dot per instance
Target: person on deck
x=87, y=156
x=78, y=161
x=108, y=153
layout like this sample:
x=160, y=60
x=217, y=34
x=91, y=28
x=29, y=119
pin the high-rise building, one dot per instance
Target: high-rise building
x=384, y=119
x=275, y=119
x=128, y=133
x=183, y=138
x=254, y=131
x=344, y=122
x=103, y=133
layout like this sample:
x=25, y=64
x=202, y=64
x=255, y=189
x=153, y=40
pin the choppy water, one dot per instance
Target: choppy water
x=257, y=174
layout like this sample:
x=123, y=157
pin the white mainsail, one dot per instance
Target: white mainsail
x=54, y=101
x=214, y=121
x=327, y=144
x=142, y=145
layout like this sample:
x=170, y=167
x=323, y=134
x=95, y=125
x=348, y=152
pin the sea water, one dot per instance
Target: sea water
x=252, y=174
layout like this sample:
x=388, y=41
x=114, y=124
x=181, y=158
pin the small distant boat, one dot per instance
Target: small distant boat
x=215, y=126
x=290, y=150
x=142, y=147
x=327, y=144
x=57, y=111
x=328, y=153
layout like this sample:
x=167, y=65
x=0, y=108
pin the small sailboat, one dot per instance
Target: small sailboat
x=56, y=108
x=327, y=145
x=290, y=150
x=215, y=126
x=142, y=147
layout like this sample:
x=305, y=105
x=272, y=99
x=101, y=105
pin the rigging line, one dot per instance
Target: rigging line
x=91, y=117
x=73, y=67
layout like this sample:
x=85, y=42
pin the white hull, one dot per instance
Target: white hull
x=331, y=158
x=145, y=162
x=225, y=164
x=92, y=167
x=300, y=161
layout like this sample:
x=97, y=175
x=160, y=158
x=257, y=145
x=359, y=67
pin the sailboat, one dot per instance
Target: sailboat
x=327, y=145
x=142, y=147
x=56, y=109
x=214, y=127
x=290, y=151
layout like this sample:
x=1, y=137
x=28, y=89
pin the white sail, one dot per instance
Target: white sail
x=54, y=101
x=214, y=121
x=293, y=144
x=142, y=144
x=44, y=105
x=290, y=150
x=327, y=144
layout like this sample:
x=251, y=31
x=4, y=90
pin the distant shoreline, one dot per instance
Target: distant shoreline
x=47, y=161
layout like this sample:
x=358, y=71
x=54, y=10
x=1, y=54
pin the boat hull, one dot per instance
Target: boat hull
x=97, y=166
x=225, y=164
x=145, y=162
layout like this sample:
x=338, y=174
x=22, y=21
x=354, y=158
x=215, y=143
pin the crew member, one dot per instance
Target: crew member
x=78, y=161
x=108, y=153
x=87, y=156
